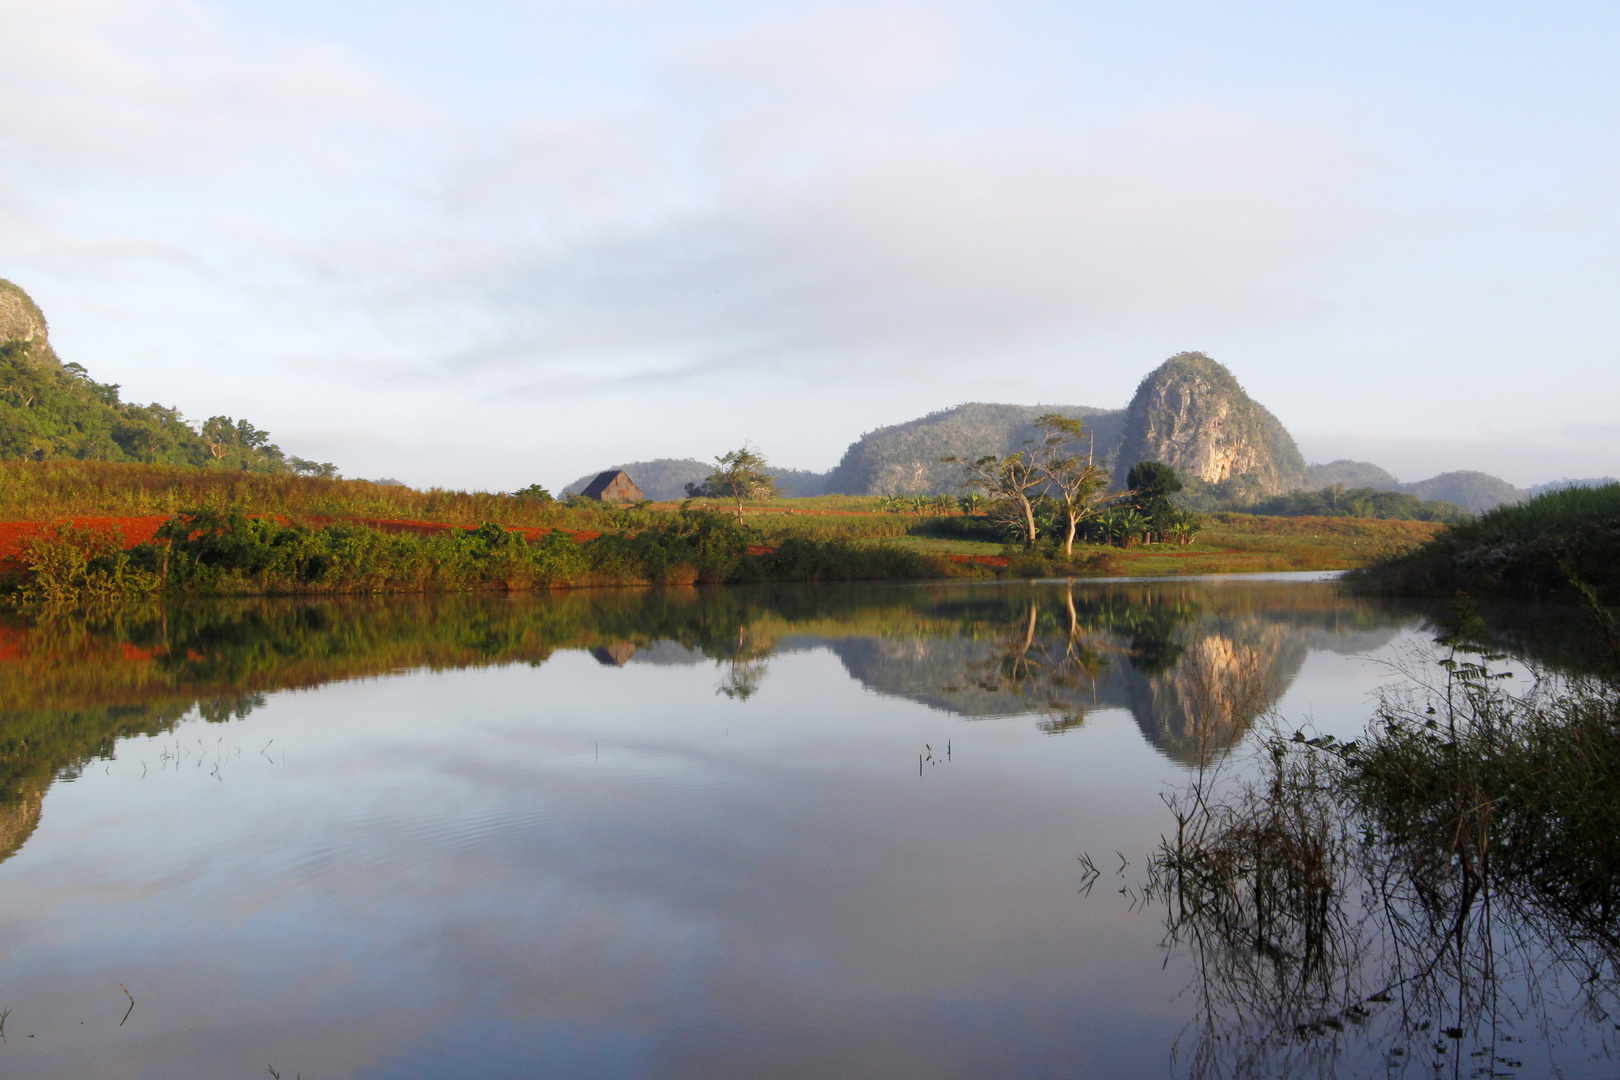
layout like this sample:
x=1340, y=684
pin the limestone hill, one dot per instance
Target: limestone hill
x=1190, y=413
x=904, y=459
x=51, y=410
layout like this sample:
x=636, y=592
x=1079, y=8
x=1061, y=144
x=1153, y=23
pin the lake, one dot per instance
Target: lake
x=862, y=831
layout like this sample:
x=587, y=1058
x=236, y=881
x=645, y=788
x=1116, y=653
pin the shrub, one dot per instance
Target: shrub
x=1532, y=550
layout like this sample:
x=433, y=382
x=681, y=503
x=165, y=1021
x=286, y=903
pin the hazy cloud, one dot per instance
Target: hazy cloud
x=871, y=211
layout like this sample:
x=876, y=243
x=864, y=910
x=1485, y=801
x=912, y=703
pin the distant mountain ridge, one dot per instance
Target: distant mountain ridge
x=1475, y=492
x=904, y=459
x=1190, y=412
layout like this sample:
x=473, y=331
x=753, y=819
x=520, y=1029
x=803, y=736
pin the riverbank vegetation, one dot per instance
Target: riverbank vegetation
x=95, y=530
x=228, y=553
x=1553, y=546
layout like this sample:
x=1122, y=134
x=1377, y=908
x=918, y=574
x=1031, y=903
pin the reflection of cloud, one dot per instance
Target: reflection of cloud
x=453, y=864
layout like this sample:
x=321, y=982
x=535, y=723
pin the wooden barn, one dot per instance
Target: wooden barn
x=614, y=485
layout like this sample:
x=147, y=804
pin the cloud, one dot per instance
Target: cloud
x=955, y=247
x=163, y=88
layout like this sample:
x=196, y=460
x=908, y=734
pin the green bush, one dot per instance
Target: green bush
x=1530, y=550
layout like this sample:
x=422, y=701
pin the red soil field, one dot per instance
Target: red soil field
x=136, y=530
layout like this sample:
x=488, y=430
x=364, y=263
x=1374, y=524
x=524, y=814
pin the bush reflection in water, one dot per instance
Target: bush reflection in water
x=1440, y=891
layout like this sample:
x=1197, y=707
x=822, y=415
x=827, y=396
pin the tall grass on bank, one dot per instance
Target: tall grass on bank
x=226, y=553
x=1531, y=550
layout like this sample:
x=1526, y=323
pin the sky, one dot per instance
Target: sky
x=488, y=244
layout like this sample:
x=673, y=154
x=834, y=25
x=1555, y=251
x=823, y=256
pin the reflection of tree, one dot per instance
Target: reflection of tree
x=1194, y=675
x=744, y=666
x=1045, y=658
x=1422, y=893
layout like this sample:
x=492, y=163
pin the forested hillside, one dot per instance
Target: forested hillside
x=1352, y=474
x=51, y=410
x=1475, y=492
x=905, y=459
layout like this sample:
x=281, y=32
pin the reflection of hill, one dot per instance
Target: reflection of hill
x=1194, y=665
x=1218, y=686
x=19, y=816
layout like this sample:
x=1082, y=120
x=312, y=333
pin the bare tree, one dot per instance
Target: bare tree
x=1052, y=466
x=1076, y=479
x=1011, y=479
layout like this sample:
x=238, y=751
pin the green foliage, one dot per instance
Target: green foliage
x=1531, y=550
x=53, y=411
x=50, y=411
x=73, y=565
x=304, y=467
x=533, y=491
x=1153, y=482
x=1337, y=501
x=211, y=551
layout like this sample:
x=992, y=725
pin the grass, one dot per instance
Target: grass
x=227, y=553
x=47, y=491
x=944, y=546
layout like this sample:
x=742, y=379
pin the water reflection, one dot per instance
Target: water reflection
x=1194, y=664
x=651, y=833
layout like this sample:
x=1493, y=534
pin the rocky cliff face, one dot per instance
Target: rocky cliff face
x=1190, y=413
x=20, y=318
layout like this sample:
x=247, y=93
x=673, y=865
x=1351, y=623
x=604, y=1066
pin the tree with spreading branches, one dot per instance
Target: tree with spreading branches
x=1076, y=480
x=1011, y=481
x=740, y=476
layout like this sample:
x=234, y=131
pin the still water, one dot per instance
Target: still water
x=806, y=832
